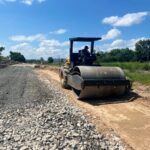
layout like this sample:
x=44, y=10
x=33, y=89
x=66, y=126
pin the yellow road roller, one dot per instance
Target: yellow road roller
x=88, y=80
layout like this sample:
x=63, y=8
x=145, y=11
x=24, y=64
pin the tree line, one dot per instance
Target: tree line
x=49, y=60
x=141, y=53
x=18, y=57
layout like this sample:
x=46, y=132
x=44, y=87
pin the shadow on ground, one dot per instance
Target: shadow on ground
x=132, y=96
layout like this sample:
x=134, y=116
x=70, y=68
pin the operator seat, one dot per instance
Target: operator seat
x=85, y=58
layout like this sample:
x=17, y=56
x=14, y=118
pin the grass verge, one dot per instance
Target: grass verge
x=135, y=71
x=132, y=66
x=140, y=77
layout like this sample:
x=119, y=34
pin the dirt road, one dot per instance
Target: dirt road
x=128, y=116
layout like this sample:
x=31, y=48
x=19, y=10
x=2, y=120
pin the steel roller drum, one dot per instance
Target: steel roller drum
x=97, y=81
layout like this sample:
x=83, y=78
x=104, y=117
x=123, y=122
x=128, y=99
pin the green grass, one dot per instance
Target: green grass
x=141, y=77
x=135, y=71
x=132, y=66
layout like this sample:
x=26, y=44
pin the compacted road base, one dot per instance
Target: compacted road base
x=128, y=116
x=34, y=114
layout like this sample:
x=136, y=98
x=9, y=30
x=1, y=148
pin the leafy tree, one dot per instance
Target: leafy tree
x=142, y=49
x=37, y=61
x=121, y=55
x=127, y=55
x=50, y=60
x=141, y=53
x=16, y=56
x=101, y=57
x=1, y=49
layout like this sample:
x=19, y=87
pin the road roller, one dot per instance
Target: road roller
x=88, y=80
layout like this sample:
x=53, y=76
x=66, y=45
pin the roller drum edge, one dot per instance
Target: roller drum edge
x=100, y=92
x=96, y=82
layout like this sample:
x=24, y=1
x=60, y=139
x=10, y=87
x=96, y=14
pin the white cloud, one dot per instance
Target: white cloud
x=24, y=48
x=111, y=34
x=21, y=46
x=38, y=45
x=45, y=52
x=59, y=31
x=10, y=0
x=53, y=47
x=126, y=20
x=120, y=43
x=50, y=43
x=4, y=1
x=46, y=48
x=53, y=43
x=1, y=44
x=31, y=38
x=27, y=2
x=41, y=1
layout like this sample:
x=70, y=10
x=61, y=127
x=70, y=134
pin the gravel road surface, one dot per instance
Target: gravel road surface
x=36, y=115
x=128, y=116
x=18, y=87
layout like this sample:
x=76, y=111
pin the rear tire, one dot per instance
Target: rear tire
x=63, y=82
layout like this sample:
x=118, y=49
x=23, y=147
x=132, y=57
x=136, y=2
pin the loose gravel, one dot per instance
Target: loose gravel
x=49, y=122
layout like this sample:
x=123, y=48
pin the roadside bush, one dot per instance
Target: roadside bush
x=16, y=56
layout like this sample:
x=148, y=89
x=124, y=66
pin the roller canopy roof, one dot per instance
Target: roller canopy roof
x=85, y=39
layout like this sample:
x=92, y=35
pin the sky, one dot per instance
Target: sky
x=41, y=28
